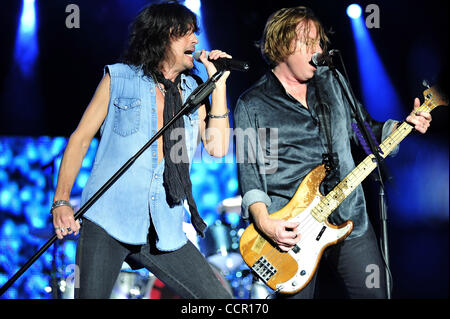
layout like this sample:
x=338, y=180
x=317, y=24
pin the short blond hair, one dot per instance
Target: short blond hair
x=280, y=31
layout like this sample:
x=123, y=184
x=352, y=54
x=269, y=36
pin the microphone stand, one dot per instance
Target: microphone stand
x=381, y=168
x=191, y=104
x=54, y=284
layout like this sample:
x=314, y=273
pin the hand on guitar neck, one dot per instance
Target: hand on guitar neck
x=283, y=233
x=420, y=120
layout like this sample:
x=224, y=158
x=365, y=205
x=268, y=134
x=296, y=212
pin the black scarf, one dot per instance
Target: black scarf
x=177, y=182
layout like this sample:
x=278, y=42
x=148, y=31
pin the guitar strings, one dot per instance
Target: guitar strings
x=305, y=228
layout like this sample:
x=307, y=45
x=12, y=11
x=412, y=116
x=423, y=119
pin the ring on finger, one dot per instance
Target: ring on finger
x=69, y=229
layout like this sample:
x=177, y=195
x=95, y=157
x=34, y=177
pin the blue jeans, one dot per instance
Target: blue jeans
x=358, y=264
x=100, y=257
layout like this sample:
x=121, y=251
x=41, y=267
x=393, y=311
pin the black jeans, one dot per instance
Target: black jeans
x=100, y=257
x=358, y=265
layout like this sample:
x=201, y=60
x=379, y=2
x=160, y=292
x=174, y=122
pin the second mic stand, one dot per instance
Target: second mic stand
x=191, y=104
x=381, y=168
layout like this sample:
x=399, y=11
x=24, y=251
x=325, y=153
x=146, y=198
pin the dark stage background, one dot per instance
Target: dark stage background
x=412, y=43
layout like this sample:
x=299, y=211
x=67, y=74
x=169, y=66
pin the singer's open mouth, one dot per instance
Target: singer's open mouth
x=189, y=52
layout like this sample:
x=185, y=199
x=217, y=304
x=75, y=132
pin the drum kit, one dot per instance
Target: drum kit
x=220, y=246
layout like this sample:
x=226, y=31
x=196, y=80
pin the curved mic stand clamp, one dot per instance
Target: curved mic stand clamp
x=191, y=104
x=382, y=172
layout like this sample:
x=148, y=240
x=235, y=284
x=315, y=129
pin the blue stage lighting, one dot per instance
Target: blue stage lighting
x=193, y=5
x=26, y=194
x=38, y=178
x=379, y=95
x=232, y=185
x=26, y=48
x=82, y=178
x=3, y=176
x=28, y=17
x=232, y=218
x=354, y=11
x=430, y=200
x=210, y=199
x=70, y=249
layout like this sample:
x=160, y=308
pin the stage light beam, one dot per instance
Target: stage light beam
x=373, y=76
x=26, y=48
x=354, y=11
x=193, y=5
x=28, y=17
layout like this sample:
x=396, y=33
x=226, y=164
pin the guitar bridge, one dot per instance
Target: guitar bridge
x=264, y=269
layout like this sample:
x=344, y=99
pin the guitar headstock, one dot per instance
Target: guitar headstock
x=434, y=98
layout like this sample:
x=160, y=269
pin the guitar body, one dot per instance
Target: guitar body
x=289, y=272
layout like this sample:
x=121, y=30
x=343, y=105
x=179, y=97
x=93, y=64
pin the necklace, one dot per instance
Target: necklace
x=161, y=89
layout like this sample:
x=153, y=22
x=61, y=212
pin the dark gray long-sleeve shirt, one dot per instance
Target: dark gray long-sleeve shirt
x=279, y=141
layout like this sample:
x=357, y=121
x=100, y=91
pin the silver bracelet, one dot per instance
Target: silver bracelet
x=60, y=203
x=218, y=116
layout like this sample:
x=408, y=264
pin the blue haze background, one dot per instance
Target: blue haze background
x=48, y=74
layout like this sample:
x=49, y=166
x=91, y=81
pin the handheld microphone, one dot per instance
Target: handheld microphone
x=224, y=63
x=319, y=59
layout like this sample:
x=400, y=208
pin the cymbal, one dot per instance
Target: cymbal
x=232, y=204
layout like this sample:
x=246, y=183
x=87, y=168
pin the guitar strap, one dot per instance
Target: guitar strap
x=330, y=159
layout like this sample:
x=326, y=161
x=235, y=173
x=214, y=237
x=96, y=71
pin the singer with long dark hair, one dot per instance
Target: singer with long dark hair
x=299, y=101
x=140, y=218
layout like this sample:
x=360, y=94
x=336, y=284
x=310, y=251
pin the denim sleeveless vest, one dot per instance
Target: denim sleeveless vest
x=125, y=209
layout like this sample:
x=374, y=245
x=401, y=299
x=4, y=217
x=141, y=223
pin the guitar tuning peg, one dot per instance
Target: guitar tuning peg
x=425, y=84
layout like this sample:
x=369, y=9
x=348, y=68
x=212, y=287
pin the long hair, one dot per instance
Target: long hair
x=151, y=32
x=280, y=31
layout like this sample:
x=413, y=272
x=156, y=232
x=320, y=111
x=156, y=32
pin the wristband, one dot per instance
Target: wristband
x=218, y=116
x=60, y=203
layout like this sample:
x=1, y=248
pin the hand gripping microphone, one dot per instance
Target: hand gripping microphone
x=224, y=63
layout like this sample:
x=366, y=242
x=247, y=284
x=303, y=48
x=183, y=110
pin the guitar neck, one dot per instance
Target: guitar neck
x=340, y=192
